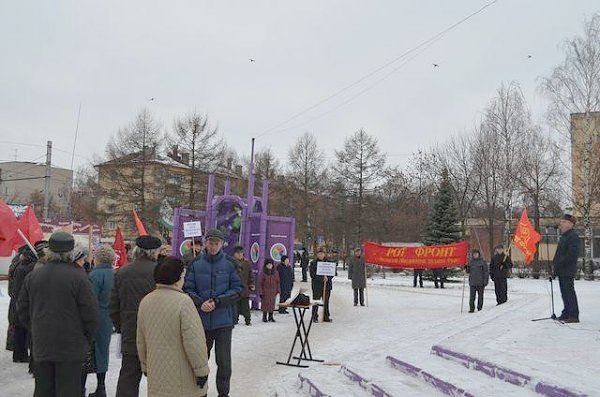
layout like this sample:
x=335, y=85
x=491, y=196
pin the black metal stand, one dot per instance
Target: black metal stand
x=302, y=333
x=553, y=316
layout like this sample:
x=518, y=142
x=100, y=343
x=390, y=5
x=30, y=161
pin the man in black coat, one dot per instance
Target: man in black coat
x=499, y=270
x=304, y=264
x=565, y=267
x=132, y=282
x=58, y=305
x=21, y=335
x=317, y=288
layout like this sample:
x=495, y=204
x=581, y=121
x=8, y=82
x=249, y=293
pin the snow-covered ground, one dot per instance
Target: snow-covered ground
x=402, y=322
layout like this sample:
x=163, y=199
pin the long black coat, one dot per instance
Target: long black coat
x=58, y=305
x=132, y=282
x=317, y=281
x=500, y=266
x=21, y=271
x=286, y=279
x=567, y=252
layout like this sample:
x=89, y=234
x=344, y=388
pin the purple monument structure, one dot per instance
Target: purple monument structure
x=244, y=221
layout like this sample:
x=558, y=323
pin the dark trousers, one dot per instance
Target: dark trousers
x=21, y=344
x=438, y=277
x=500, y=287
x=418, y=273
x=361, y=292
x=221, y=338
x=58, y=379
x=242, y=307
x=283, y=296
x=129, y=377
x=479, y=291
x=304, y=272
x=326, y=313
x=567, y=291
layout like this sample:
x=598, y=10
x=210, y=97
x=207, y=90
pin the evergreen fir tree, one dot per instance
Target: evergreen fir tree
x=443, y=226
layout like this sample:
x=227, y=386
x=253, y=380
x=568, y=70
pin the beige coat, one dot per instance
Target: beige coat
x=171, y=343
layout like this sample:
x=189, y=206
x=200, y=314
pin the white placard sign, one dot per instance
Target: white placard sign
x=326, y=268
x=192, y=229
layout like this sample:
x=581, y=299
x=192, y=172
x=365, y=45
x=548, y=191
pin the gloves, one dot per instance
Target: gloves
x=201, y=380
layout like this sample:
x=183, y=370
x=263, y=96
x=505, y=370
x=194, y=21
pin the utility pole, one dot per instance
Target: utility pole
x=47, y=178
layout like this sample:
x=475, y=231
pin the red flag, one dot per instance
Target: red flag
x=139, y=225
x=30, y=227
x=526, y=237
x=8, y=229
x=120, y=251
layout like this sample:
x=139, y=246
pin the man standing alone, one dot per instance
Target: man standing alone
x=565, y=267
x=499, y=268
x=356, y=273
x=478, y=279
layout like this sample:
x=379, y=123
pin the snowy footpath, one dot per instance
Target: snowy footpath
x=407, y=342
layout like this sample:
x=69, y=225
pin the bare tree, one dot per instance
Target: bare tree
x=197, y=145
x=487, y=151
x=539, y=171
x=422, y=180
x=507, y=118
x=574, y=87
x=359, y=165
x=85, y=193
x=458, y=157
x=306, y=170
x=266, y=165
x=130, y=154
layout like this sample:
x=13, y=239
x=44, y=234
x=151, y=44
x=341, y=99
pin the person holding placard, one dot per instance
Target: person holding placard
x=321, y=288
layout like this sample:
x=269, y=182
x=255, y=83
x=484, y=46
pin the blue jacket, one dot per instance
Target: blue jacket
x=214, y=277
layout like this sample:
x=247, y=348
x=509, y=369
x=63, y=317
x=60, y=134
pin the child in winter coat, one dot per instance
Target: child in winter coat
x=268, y=288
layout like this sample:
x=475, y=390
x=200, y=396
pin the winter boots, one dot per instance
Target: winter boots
x=269, y=318
x=100, y=392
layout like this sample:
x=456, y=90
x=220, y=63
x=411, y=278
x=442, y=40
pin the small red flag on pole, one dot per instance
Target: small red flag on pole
x=526, y=237
x=120, y=250
x=139, y=225
x=29, y=227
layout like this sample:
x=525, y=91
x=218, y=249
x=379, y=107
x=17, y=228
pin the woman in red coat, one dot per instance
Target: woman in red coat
x=268, y=288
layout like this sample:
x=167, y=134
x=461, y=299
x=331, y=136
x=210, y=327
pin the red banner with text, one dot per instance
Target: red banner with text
x=424, y=257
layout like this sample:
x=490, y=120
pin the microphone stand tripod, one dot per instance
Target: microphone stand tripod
x=553, y=315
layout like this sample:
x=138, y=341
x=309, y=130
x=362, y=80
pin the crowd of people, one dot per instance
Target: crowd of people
x=171, y=312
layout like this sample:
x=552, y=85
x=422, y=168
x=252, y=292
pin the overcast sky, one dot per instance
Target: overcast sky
x=113, y=56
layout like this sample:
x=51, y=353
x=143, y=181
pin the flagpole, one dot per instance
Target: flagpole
x=366, y=287
x=27, y=242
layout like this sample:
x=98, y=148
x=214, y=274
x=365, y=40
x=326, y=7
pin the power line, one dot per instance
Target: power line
x=22, y=144
x=380, y=68
x=368, y=88
x=22, y=179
